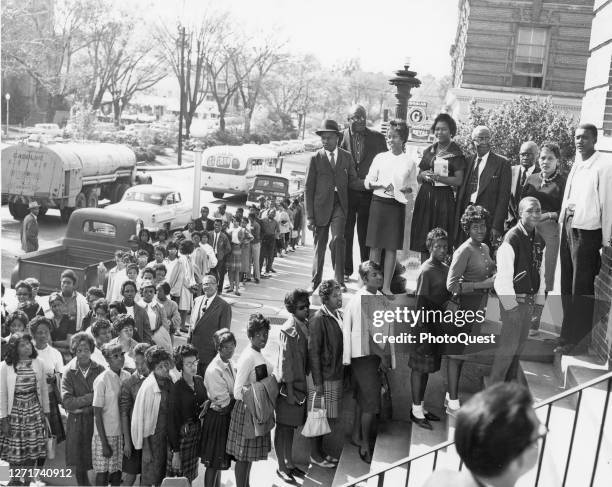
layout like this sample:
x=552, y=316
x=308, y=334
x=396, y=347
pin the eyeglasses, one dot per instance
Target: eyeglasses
x=191, y=364
x=358, y=118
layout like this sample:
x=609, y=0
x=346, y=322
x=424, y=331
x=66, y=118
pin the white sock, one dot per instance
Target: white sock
x=447, y=397
x=453, y=404
x=423, y=407
x=417, y=410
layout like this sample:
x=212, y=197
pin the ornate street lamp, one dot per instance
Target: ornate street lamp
x=404, y=81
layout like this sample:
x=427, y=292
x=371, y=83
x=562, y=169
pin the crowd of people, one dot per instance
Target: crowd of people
x=139, y=404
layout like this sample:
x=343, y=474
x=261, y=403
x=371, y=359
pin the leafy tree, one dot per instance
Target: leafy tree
x=518, y=121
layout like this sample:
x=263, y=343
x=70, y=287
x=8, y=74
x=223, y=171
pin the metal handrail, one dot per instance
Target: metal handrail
x=547, y=402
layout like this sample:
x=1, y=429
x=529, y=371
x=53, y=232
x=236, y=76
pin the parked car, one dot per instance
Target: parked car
x=154, y=205
x=276, y=186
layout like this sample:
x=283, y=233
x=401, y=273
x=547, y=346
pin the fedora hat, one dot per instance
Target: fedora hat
x=33, y=204
x=328, y=126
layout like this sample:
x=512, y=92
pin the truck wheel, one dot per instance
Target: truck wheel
x=119, y=191
x=65, y=214
x=92, y=199
x=217, y=195
x=18, y=210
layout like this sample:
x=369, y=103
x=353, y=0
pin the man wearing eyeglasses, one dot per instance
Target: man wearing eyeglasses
x=363, y=144
x=497, y=436
x=487, y=184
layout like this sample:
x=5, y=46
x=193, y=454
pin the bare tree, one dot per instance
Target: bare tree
x=222, y=81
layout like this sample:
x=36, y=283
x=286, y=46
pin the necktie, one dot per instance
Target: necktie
x=332, y=161
x=215, y=243
x=475, y=177
x=523, y=177
x=205, y=307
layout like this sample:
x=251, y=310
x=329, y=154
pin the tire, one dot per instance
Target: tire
x=91, y=198
x=218, y=195
x=119, y=191
x=18, y=210
x=65, y=214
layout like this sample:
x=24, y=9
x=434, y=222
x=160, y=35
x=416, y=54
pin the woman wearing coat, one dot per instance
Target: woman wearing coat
x=77, y=399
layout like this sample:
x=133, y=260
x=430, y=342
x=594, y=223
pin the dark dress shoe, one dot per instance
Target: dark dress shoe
x=431, y=416
x=298, y=472
x=285, y=477
x=423, y=423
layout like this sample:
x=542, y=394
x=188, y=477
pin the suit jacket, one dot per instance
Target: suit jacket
x=515, y=195
x=201, y=225
x=29, y=233
x=223, y=244
x=493, y=191
x=321, y=180
x=374, y=143
x=218, y=315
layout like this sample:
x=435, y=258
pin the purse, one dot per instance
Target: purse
x=51, y=442
x=386, y=403
x=316, y=421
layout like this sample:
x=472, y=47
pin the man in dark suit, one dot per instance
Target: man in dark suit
x=363, y=144
x=487, y=184
x=330, y=174
x=210, y=313
x=204, y=224
x=528, y=156
x=220, y=243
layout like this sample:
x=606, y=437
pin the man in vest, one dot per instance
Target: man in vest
x=520, y=287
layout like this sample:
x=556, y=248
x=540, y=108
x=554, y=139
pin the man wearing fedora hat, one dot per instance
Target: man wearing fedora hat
x=330, y=174
x=29, y=229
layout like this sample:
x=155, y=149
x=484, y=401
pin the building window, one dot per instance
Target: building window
x=530, y=57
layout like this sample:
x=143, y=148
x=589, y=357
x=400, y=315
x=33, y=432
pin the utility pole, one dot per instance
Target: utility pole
x=182, y=96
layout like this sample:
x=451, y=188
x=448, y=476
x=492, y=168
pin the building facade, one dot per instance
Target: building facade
x=504, y=49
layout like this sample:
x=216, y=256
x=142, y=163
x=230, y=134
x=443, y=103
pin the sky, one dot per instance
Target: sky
x=382, y=35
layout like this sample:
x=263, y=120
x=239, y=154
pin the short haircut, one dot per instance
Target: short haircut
x=295, y=297
x=473, y=214
x=161, y=250
x=450, y=121
x=32, y=281
x=160, y=267
x=150, y=270
x=181, y=352
x=196, y=234
x=142, y=232
x=327, y=287
x=160, y=232
x=118, y=305
x=123, y=321
x=527, y=200
x=155, y=355
x=171, y=245
x=25, y=285
x=108, y=349
x=40, y=321
x=589, y=127
x=164, y=286
x=257, y=323
x=223, y=336
x=80, y=337
x=12, y=352
x=400, y=127
x=98, y=325
x=53, y=297
x=142, y=253
x=141, y=348
x=128, y=283
x=70, y=274
x=102, y=304
x=366, y=267
x=204, y=208
x=186, y=247
x=119, y=253
x=496, y=416
x=17, y=316
x=96, y=292
x=552, y=147
x=145, y=284
x=132, y=267
x=434, y=235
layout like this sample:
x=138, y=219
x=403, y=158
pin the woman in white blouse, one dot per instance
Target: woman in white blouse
x=392, y=176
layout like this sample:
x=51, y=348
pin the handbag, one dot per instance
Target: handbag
x=316, y=421
x=386, y=403
x=51, y=442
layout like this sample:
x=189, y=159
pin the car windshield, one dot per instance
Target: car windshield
x=153, y=198
x=270, y=184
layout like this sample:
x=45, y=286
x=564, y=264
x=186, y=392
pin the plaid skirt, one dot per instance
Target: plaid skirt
x=214, y=438
x=332, y=392
x=28, y=431
x=189, y=448
x=234, y=262
x=241, y=448
x=102, y=464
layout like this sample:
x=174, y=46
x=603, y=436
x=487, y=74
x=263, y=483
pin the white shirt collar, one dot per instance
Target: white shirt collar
x=334, y=152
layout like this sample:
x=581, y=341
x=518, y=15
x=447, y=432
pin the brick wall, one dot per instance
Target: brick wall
x=601, y=339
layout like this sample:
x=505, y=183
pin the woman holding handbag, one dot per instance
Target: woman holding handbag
x=291, y=372
x=325, y=347
x=24, y=405
x=471, y=275
x=431, y=294
x=219, y=380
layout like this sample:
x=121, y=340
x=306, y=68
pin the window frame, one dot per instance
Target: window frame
x=516, y=74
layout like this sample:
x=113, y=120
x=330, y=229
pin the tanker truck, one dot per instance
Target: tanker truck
x=66, y=176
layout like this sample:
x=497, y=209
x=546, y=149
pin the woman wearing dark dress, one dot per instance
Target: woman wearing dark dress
x=441, y=174
x=77, y=399
x=432, y=295
x=471, y=275
x=26, y=302
x=184, y=427
x=547, y=187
